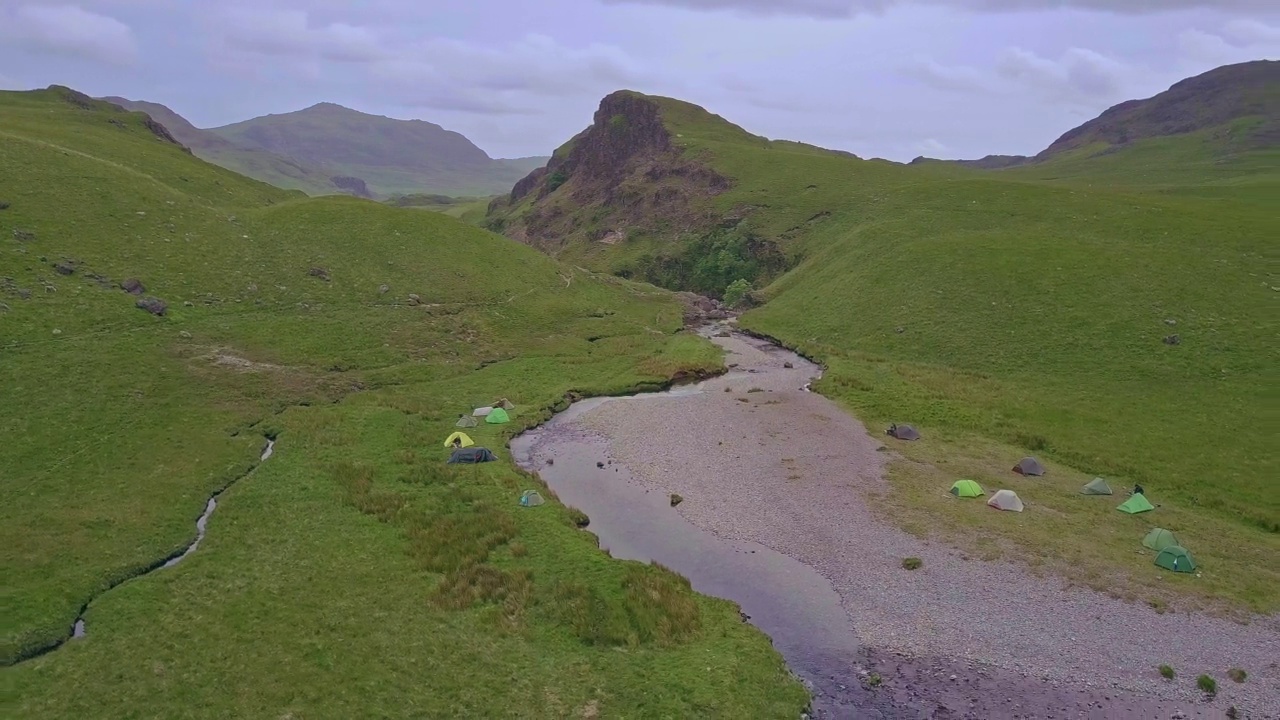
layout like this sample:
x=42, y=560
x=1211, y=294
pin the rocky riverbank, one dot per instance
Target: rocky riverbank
x=758, y=459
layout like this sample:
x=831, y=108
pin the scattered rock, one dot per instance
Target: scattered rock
x=253, y=287
x=899, y=329
x=23, y=235
x=4, y=205
x=384, y=289
x=155, y=306
x=66, y=267
x=188, y=303
x=56, y=331
x=1170, y=322
x=600, y=464
x=551, y=461
x=787, y=365
x=4, y=307
x=414, y=299
x=676, y=499
x=717, y=315
x=722, y=333
x=1172, y=340
x=24, y=293
x=319, y=272
x=133, y=286
x=184, y=335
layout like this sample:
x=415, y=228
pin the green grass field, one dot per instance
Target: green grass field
x=353, y=573
x=1023, y=311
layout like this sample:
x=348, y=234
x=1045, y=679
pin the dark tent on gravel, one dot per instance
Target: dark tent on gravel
x=1029, y=466
x=472, y=455
x=903, y=432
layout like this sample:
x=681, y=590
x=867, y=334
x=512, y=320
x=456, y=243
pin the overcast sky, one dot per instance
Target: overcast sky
x=881, y=78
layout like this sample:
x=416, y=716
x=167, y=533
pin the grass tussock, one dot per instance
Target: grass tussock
x=912, y=563
x=1207, y=685
x=655, y=606
x=1237, y=675
x=1166, y=672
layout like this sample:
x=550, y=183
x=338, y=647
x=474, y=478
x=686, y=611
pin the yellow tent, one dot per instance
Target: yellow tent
x=466, y=441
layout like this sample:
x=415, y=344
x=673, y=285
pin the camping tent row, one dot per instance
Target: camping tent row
x=1002, y=500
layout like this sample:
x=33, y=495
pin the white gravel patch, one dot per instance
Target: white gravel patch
x=790, y=470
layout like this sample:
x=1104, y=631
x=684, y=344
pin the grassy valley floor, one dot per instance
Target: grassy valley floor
x=353, y=572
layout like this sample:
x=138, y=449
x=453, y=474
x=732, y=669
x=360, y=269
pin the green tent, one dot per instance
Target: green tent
x=1176, y=558
x=966, y=489
x=1136, y=504
x=530, y=498
x=1159, y=539
x=497, y=416
x=1097, y=486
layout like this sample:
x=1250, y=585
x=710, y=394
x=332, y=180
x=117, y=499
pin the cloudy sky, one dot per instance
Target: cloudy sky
x=881, y=78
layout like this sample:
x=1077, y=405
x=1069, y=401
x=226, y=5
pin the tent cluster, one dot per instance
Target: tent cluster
x=1002, y=500
x=464, y=448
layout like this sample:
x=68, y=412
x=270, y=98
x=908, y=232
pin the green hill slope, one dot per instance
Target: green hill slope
x=353, y=565
x=1219, y=127
x=258, y=164
x=391, y=156
x=1006, y=314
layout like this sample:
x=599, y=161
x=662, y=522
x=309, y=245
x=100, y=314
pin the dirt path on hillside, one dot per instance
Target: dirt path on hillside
x=770, y=463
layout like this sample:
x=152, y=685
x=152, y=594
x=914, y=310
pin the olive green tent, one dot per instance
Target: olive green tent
x=1097, y=486
x=497, y=416
x=1136, y=504
x=1176, y=558
x=1159, y=539
x=966, y=489
x=466, y=421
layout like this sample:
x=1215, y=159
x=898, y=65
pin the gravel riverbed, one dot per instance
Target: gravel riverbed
x=771, y=463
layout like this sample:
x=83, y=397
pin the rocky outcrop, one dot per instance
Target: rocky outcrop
x=351, y=185
x=624, y=173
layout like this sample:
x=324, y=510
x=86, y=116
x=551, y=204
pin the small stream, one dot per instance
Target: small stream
x=78, y=629
x=789, y=601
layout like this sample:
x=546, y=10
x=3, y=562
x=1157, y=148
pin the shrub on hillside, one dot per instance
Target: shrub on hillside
x=1166, y=672
x=1207, y=685
x=736, y=291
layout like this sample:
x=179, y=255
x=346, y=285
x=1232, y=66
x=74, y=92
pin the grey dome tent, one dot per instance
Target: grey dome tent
x=903, y=432
x=1029, y=466
x=482, y=411
x=471, y=455
x=1097, y=486
x=466, y=421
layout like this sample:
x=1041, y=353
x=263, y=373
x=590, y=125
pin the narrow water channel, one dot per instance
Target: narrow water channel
x=789, y=601
x=78, y=629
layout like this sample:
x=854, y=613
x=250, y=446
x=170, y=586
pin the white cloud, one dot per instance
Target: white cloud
x=290, y=34
x=851, y=8
x=69, y=30
x=960, y=78
x=1079, y=76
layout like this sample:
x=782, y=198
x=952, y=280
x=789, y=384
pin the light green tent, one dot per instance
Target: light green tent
x=531, y=498
x=1097, y=486
x=1159, y=539
x=497, y=416
x=966, y=489
x=1136, y=504
x=1176, y=558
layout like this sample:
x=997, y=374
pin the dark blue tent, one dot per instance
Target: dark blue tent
x=472, y=455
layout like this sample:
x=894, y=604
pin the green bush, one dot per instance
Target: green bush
x=736, y=291
x=912, y=563
x=1237, y=674
x=1166, y=672
x=1207, y=685
x=556, y=179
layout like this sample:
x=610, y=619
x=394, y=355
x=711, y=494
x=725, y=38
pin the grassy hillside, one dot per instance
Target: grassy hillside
x=1005, y=313
x=391, y=156
x=467, y=209
x=258, y=164
x=353, y=573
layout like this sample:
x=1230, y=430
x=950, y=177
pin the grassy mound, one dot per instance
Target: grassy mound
x=353, y=573
x=1110, y=309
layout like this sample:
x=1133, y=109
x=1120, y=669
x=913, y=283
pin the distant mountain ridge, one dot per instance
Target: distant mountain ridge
x=1206, y=101
x=329, y=149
